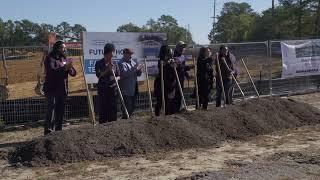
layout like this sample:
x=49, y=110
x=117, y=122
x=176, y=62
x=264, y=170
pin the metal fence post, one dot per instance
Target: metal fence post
x=4, y=65
x=270, y=66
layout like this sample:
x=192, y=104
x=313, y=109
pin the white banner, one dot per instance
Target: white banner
x=300, y=58
x=142, y=44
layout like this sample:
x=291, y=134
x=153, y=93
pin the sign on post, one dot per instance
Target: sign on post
x=142, y=44
x=300, y=58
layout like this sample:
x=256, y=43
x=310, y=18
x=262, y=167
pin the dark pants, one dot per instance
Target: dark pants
x=204, y=91
x=55, y=113
x=178, y=97
x=231, y=93
x=130, y=102
x=170, y=106
x=227, y=88
x=107, y=106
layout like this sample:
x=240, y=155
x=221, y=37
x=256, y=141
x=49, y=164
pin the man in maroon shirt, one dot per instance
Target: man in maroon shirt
x=57, y=68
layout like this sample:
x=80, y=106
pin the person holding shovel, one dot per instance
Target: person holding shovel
x=236, y=67
x=169, y=81
x=55, y=87
x=107, y=87
x=182, y=70
x=223, y=73
x=129, y=72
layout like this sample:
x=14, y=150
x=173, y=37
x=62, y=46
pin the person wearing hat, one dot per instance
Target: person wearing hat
x=129, y=72
x=182, y=70
x=57, y=69
x=107, y=88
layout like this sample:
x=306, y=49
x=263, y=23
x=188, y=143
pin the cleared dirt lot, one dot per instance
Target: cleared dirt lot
x=286, y=154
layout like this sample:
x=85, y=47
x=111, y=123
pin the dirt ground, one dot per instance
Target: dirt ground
x=286, y=154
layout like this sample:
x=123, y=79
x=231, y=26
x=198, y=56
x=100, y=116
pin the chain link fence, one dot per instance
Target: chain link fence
x=22, y=75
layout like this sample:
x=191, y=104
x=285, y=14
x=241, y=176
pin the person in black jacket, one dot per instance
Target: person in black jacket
x=170, y=82
x=107, y=89
x=226, y=67
x=57, y=69
x=205, y=76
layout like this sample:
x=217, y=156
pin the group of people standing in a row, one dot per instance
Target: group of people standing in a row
x=126, y=72
x=208, y=72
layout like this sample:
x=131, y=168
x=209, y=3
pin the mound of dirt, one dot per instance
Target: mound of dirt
x=185, y=130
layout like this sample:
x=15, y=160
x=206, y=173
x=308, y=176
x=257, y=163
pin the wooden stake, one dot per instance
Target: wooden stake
x=235, y=80
x=120, y=94
x=148, y=84
x=254, y=86
x=180, y=88
x=92, y=115
x=196, y=82
x=162, y=90
x=221, y=82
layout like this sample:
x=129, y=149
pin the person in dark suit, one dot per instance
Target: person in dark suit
x=205, y=76
x=107, y=89
x=170, y=82
x=57, y=69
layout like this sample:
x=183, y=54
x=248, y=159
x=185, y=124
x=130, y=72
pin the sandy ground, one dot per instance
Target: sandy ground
x=169, y=165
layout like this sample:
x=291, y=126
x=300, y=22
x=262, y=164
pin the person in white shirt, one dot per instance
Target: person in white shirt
x=129, y=72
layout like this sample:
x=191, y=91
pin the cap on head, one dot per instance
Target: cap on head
x=127, y=51
x=181, y=44
x=108, y=48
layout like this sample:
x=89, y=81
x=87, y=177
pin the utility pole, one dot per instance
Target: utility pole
x=214, y=12
x=188, y=33
x=317, y=29
x=300, y=18
x=272, y=8
x=214, y=18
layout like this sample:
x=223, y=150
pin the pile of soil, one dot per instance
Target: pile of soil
x=185, y=130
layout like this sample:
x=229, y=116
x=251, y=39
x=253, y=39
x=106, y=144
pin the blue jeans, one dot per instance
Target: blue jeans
x=227, y=83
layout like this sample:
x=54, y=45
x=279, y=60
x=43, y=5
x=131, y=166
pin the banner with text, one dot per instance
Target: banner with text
x=300, y=58
x=142, y=44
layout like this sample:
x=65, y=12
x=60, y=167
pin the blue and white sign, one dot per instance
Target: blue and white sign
x=142, y=44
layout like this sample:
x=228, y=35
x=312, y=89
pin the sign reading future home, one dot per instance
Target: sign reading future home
x=143, y=45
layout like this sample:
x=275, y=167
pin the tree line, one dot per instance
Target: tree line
x=237, y=22
x=25, y=32
x=165, y=24
x=291, y=19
